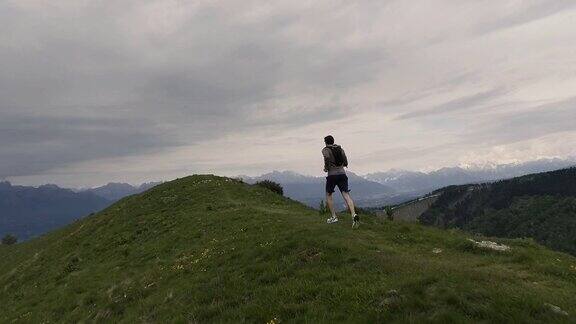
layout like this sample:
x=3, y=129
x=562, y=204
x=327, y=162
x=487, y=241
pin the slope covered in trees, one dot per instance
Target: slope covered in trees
x=540, y=206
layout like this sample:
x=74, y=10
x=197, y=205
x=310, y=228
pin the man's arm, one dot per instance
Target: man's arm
x=326, y=155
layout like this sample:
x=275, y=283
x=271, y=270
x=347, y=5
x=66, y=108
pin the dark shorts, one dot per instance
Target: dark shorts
x=340, y=180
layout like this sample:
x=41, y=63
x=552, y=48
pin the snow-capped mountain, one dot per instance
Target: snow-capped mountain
x=422, y=182
x=115, y=191
x=396, y=185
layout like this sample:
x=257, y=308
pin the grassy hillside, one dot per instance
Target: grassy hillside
x=209, y=249
x=540, y=206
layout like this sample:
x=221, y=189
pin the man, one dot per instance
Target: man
x=334, y=163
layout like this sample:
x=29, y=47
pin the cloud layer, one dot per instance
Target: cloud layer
x=92, y=91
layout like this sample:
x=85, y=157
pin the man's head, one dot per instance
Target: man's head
x=329, y=140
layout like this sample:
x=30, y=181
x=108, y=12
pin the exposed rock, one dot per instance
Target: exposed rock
x=556, y=309
x=491, y=245
x=437, y=251
x=392, y=299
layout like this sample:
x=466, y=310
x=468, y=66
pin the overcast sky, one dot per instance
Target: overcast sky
x=98, y=91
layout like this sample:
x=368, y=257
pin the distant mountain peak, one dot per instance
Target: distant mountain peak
x=118, y=185
x=410, y=181
x=49, y=186
x=116, y=190
x=5, y=185
x=285, y=173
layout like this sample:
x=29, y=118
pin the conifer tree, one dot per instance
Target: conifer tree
x=9, y=239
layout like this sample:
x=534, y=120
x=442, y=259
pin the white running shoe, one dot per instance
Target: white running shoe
x=332, y=220
x=355, y=221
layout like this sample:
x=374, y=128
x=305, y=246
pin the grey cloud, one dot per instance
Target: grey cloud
x=34, y=144
x=397, y=154
x=459, y=104
x=308, y=115
x=97, y=79
x=416, y=95
x=199, y=82
x=543, y=120
x=534, y=11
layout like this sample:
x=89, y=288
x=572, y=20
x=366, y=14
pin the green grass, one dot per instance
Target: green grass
x=209, y=249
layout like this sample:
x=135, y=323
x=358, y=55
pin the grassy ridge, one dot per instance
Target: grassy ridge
x=205, y=249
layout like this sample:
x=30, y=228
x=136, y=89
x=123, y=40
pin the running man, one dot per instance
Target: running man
x=334, y=163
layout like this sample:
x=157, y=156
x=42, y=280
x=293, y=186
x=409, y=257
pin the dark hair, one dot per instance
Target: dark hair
x=329, y=140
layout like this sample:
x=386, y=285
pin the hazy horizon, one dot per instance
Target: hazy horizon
x=570, y=161
x=99, y=91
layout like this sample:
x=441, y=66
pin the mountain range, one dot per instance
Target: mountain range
x=28, y=211
x=114, y=191
x=395, y=186
x=424, y=182
x=310, y=190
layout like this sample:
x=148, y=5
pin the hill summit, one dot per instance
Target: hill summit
x=212, y=249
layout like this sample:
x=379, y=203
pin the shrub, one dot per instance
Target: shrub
x=322, y=209
x=389, y=213
x=9, y=239
x=238, y=180
x=271, y=185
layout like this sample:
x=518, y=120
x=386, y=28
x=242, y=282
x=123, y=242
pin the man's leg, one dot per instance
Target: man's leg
x=349, y=202
x=330, y=184
x=330, y=203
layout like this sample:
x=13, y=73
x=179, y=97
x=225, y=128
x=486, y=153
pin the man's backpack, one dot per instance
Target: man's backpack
x=338, y=155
